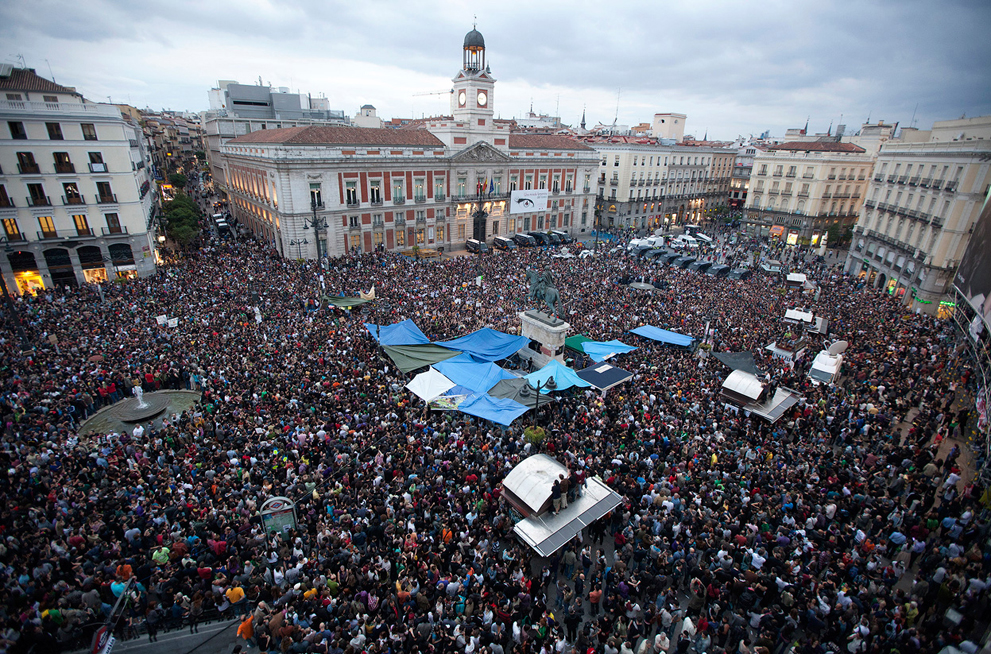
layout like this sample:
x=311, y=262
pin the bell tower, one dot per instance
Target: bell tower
x=473, y=85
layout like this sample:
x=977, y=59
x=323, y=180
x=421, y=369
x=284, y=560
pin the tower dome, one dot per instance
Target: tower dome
x=473, y=39
x=474, y=52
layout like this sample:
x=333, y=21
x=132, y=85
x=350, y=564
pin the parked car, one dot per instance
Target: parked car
x=541, y=238
x=525, y=240
x=564, y=236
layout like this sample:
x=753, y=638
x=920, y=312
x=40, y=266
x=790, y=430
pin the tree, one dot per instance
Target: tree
x=178, y=180
x=833, y=235
x=200, y=155
x=182, y=233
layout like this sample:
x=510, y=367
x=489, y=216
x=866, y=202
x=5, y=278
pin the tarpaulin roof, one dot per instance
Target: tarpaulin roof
x=563, y=376
x=401, y=333
x=345, y=302
x=576, y=342
x=513, y=389
x=430, y=384
x=601, y=350
x=604, y=376
x=738, y=361
x=488, y=344
x=663, y=335
x=479, y=377
x=499, y=410
x=410, y=357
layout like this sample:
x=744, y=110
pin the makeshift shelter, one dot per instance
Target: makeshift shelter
x=738, y=361
x=501, y=411
x=488, y=344
x=604, y=376
x=401, y=333
x=576, y=342
x=410, y=357
x=602, y=350
x=564, y=377
x=345, y=302
x=663, y=335
x=775, y=407
x=527, y=488
x=741, y=388
x=430, y=384
x=479, y=377
x=518, y=390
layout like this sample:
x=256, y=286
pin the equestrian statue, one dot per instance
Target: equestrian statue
x=542, y=289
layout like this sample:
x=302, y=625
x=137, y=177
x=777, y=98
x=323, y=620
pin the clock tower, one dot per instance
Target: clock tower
x=471, y=100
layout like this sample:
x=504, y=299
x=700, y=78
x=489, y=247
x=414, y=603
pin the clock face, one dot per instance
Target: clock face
x=482, y=98
x=461, y=98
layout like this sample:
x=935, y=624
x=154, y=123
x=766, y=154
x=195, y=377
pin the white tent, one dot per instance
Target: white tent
x=429, y=385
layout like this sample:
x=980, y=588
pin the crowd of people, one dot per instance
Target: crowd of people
x=850, y=525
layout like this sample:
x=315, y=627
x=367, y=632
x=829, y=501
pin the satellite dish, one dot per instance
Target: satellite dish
x=839, y=347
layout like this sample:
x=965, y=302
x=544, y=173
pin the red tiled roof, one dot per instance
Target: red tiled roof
x=335, y=135
x=25, y=79
x=818, y=146
x=544, y=142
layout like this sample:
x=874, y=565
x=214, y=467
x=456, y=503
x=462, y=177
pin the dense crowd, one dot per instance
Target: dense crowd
x=848, y=525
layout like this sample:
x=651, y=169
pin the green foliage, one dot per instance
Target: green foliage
x=183, y=233
x=200, y=155
x=534, y=435
x=833, y=235
x=178, y=180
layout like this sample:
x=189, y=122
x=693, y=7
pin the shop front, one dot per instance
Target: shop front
x=26, y=272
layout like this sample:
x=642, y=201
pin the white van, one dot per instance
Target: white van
x=686, y=241
x=655, y=241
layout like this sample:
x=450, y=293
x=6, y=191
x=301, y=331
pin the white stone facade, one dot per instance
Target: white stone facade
x=76, y=194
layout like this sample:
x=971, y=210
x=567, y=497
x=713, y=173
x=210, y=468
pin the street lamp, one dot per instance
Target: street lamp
x=298, y=243
x=317, y=224
x=550, y=384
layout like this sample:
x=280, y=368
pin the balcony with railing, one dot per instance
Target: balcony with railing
x=878, y=178
x=892, y=178
x=73, y=200
x=870, y=204
x=831, y=177
x=903, y=179
x=114, y=231
x=47, y=236
x=352, y=203
x=613, y=182
x=841, y=178
x=29, y=169
x=86, y=232
x=88, y=109
x=65, y=168
x=7, y=203
x=39, y=202
x=398, y=199
x=791, y=175
x=938, y=184
x=419, y=198
x=440, y=197
x=924, y=183
x=914, y=181
x=106, y=199
x=354, y=226
x=950, y=186
x=376, y=202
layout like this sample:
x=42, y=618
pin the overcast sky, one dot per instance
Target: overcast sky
x=733, y=67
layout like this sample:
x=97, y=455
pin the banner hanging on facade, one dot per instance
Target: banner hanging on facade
x=524, y=201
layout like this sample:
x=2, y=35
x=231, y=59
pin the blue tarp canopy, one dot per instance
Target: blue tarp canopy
x=563, y=376
x=479, y=377
x=401, y=333
x=501, y=411
x=601, y=350
x=488, y=344
x=663, y=335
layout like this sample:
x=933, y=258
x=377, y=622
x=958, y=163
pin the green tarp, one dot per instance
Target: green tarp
x=344, y=302
x=410, y=357
x=575, y=342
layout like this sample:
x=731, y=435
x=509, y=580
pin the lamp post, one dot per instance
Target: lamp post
x=550, y=384
x=317, y=224
x=11, y=310
x=299, y=243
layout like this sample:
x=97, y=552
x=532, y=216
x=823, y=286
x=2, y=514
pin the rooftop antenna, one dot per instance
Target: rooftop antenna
x=616, y=117
x=868, y=118
x=20, y=59
x=50, y=71
x=912, y=123
x=557, y=108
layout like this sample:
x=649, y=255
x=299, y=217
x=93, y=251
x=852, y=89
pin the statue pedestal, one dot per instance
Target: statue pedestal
x=546, y=330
